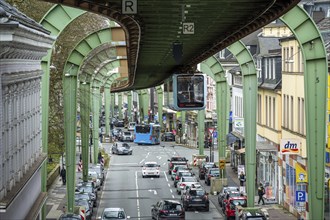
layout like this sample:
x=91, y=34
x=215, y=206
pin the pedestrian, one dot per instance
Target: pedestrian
x=242, y=178
x=63, y=175
x=261, y=193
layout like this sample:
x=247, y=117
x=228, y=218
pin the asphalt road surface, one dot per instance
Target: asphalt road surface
x=124, y=186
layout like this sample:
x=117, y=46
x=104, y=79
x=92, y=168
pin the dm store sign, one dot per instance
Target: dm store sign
x=290, y=146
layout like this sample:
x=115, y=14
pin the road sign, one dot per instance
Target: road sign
x=211, y=130
x=222, y=164
x=215, y=134
x=300, y=196
x=188, y=28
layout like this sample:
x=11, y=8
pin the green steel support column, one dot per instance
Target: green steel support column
x=96, y=115
x=129, y=106
x=160, y=98
x=70, y=115
x=213, y=68
x=316, y=78
x=250, y=88
x=146, y=101
x=107, y=97
x=45, y=111
x=112, y=105
x=120, y=106
x=201, y=129
x=85, y=127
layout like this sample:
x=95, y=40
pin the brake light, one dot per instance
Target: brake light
x=163, y=211
x=183, y=184
x=174, y=171
x=177, y=178
x=171, y=164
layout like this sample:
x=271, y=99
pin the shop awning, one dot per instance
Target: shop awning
x=231, y=139
x=266, y=146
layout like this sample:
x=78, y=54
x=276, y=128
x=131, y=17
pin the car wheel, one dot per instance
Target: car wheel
x=142, y=176
x=158, y=176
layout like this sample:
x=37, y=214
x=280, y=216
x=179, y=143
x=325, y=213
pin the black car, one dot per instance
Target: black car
x=168, y=136
x=120, y=124
x=196, y=197
x=121, y=148
x=167, y=209
x=222, y=195
x=203, y=168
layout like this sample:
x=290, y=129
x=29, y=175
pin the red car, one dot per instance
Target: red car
x=232, y=203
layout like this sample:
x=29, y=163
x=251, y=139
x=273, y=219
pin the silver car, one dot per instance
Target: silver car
x=121, y=148
x=114, y=213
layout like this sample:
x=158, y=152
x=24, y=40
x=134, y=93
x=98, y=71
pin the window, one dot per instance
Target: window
x=274, y=113
x=291, y=114
x=274, y=66
x=291, y=59
x=270, y=111
x=283, y=111
x=266, y=105
x=259, y=109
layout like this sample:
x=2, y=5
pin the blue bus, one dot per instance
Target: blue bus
x=147, y=134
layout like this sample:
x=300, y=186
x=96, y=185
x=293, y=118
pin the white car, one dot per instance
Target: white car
x=186, y=181
x=131, y=126
x=150, y=169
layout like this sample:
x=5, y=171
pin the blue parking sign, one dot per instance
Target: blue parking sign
x=215, y=134
x=300, y=196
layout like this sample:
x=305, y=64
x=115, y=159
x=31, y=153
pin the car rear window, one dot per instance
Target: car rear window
x=127, y=133
x=114, y=214
x=173, y=206
x=188, y=179
x=178, y=159
x=214, y=171
x=150, y=165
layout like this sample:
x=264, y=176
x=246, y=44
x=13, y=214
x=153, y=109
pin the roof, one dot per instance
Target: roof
x=267, y=44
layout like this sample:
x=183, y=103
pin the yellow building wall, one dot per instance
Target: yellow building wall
x=276, y=31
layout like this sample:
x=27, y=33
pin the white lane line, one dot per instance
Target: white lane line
x=173, y=196
x=169, y=185
x=171, y=190
x=159, y=157
x=122, y=164
x=137, y=195
x=164, y=164
x=165, y=176
x=148, y=154
x=142, y=161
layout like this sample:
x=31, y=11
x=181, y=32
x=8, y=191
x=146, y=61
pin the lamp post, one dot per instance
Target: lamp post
x=90, y=144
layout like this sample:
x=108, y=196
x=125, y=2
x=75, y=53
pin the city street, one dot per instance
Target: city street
x=124, y=186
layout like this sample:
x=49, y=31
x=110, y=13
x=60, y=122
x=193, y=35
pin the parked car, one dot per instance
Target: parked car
x=174, y=161
x=70, y=216
x=120, y=124
x=167, y=209
x=94, y=177
x=203, y=168
x=121, y=148
x=85, y=204
x=81, y=195
x=116, y=132
x=231, y=205
x=126, y=136
x=150, y=169
x=211, y=172
x=229, y=194
x=186, y=181
x=168, y=136
x=99, y=169
x=131, y=126
x=222, y=194
x=86, y=187
x=252, y=214
x=196, y=197
x=180, y=174
x=114, y=213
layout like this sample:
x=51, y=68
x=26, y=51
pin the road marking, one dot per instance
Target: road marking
x=169, y=185
x=142, y=161
x=154, y=191
x=147, y=154
x=165, y=176
x=171, y=190
x=173, y=196
x=159, y=157
x=137, y=195
x=122, y=164
x=164, y=164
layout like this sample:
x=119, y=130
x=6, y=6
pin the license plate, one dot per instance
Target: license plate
x=197, y=200
x=173, y=214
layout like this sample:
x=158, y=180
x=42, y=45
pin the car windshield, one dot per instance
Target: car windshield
x=214, y=172
x=241, y=202
x=188, y=179
x=127, y=133
x=197, y=192
x=185, y=174
x=178, y=159
x=124, y=145
x=85, y=189
x=230, y=189
x=150, y=165
x=114, y=215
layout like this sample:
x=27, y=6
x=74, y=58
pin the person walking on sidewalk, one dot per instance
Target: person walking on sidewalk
x=242, y=178
x=63, y=175
x=261, y=193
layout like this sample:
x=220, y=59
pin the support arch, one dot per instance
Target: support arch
x=315, y=84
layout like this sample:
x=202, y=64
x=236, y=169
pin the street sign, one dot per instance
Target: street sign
x=222, y=164
x=215, y=134
x=129, y=7
x=188, y=28
x=300, y=196
x=211, y=130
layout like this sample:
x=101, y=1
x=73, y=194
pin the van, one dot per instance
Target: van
x=131, y=126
